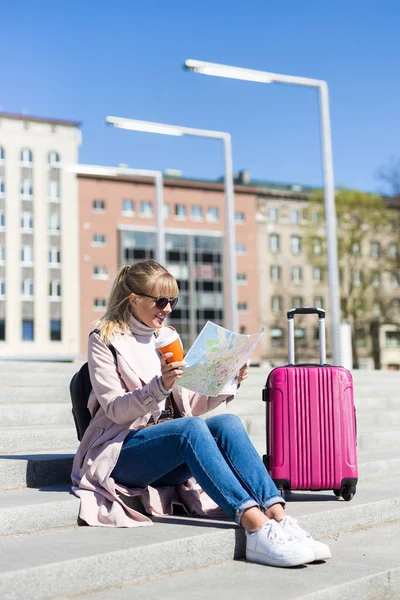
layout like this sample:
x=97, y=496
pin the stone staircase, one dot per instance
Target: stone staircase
x=46, y=555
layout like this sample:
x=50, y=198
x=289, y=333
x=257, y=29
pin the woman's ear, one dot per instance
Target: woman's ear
x=133, y=299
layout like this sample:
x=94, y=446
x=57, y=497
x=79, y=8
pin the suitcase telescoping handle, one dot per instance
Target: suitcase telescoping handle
x=307, y=311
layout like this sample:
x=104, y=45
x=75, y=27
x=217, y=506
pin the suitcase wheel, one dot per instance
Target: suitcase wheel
x=337, y=493
x=347, y=493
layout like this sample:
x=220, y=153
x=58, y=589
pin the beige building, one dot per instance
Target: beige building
x=39, y=267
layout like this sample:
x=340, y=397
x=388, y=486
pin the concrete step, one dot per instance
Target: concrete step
x=17, y=394
x=38, y=438
x=30, y=380
x=35, y=470
x=360, y=569
x=49, y=413
x=75, y=560
x=34, y=367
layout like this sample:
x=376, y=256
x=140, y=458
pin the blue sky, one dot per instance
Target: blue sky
x=83, y=60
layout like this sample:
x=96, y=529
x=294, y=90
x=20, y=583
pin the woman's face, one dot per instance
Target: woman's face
x=146, y=311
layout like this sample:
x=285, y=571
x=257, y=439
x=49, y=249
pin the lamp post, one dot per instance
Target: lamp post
x=230, y=247
x=157, y=176
x=218, y=70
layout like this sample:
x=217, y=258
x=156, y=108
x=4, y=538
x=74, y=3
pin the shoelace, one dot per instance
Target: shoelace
x=276, y=533
x=291, y=525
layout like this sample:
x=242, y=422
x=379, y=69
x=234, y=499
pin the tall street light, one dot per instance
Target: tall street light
x=230, y=247
x=157, y=176
x=217, y=70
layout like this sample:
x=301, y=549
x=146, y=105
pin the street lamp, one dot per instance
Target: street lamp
x=230, y=247
x=218, y=70
x=157, y=176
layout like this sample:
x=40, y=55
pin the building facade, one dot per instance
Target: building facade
x=39, y=266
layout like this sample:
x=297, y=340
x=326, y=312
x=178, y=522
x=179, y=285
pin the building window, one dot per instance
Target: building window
x=26, y=188
x=395, y=278
x=55, y=288
x=317, y=274
x=146, y=209
x=375, y=249
x=241, y=248
x=2, y=187
x=242, y=306
x=100, y=272
x=318, y=302
x=54, y=256
x=239, y=217
x=212, y=214
x=2, y=154
x=315, y=217
x=357, y=277
x=355, y=249
x=53, y=157
x=2, y=219
x=54, y=190
x=361, y=339
x=274, y=242
x=295, y=244
x=27, y=255
x=275, y=273
x=294, y=216
x=99, y=239
x=273, y=214
x=55, y=330
x=128, y=208
x=297, y=274
x=297, y=302
x=26, y=156
x=316, y=246
x=27, y=288
x=241, y=277
x=166, y=210
x=276, y=337
x=99, y=304
x=393, y=339
x=376, y=279
x=197, y=212
x=276, y=304
x=2, y=330
x=2, y=253
x=376, y=309
x=180, y=211
x=300, y=336
x=54, y=222
x=392, y=251
x=2, y=288
x=27, y=330
x=27, y=221
x=99, y=206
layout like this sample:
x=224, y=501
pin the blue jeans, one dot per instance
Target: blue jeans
x=217, y=452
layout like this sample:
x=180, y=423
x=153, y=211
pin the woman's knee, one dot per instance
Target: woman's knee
x=193, y=426
x=226, y=421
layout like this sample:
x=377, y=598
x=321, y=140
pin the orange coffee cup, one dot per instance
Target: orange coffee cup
x=169, y=341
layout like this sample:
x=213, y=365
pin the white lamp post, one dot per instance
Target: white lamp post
x=157, y=176
x=230, y=247
x=217, y=70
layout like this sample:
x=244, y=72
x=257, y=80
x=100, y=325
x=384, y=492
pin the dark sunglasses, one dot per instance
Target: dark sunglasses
x=162, y=301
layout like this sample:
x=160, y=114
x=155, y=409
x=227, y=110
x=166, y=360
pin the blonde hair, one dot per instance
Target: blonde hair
x=144, y=277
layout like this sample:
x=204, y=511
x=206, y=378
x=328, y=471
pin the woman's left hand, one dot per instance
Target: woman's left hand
x=243, y=373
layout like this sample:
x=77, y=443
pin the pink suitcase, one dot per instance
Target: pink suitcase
x=311, y=422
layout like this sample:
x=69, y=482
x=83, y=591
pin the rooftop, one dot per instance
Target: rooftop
x=23, y=117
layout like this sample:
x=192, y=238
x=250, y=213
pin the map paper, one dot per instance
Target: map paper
x=215, y=359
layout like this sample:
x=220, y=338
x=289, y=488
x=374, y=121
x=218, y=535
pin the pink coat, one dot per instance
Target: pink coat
x=128, y=395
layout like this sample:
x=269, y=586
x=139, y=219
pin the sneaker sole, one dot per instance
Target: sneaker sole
x=294, y=561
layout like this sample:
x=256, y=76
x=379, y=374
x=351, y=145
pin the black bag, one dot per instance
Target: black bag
x=80, y=388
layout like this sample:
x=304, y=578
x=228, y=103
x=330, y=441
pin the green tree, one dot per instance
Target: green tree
x=363, y=226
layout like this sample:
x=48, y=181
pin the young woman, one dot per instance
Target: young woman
x=133, y=446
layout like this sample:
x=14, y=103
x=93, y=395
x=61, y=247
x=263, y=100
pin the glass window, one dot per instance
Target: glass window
x=295, y=244
x=27, y=330
x=27, y=255
x=315, y=217
x=99, y=303
x=317, y=274
x=275, y=273
x=276, y=304
x=55, y=288
x=241, y=248
x=2, y=330
x=274, y=242
x=297, y=302
x=392, y=251
x=197, y=212
x=355, y=249
x=375, y=249
x=395, y=278
x=297, y=274
x=180, y=211
x=300, y=336
x=242, y=306
x=273, y=214
x=146, y=209
x=54, y=222
x=26, y=187
x=376, y=279
x=294, y=216
x=166, y=210
x=2, y=219
x=393, y=339
x=27, y=288
x=2, y=186
x=276, y=337
x=239, y=217
x=26, y=156
x=27, y=220
x=128, y=207
x=2, y=154
x=212, y=214
x=100, y=271
x=55, y=330
x=2, y=288
x=99, y=206
x=357, y=277
x=99, y=239
x=319, y=302
x=316, y=246
x=2, y=253
x=53, y=157
x=361, y=339
x=241, y=277
x=54, y=255
x=54, y=190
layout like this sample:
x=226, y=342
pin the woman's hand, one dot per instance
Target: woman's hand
x=243, y=373
x=170, y=372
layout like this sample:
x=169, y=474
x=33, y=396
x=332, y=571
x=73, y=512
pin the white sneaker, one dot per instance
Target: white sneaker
x=271, y=545
x=291, y=526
